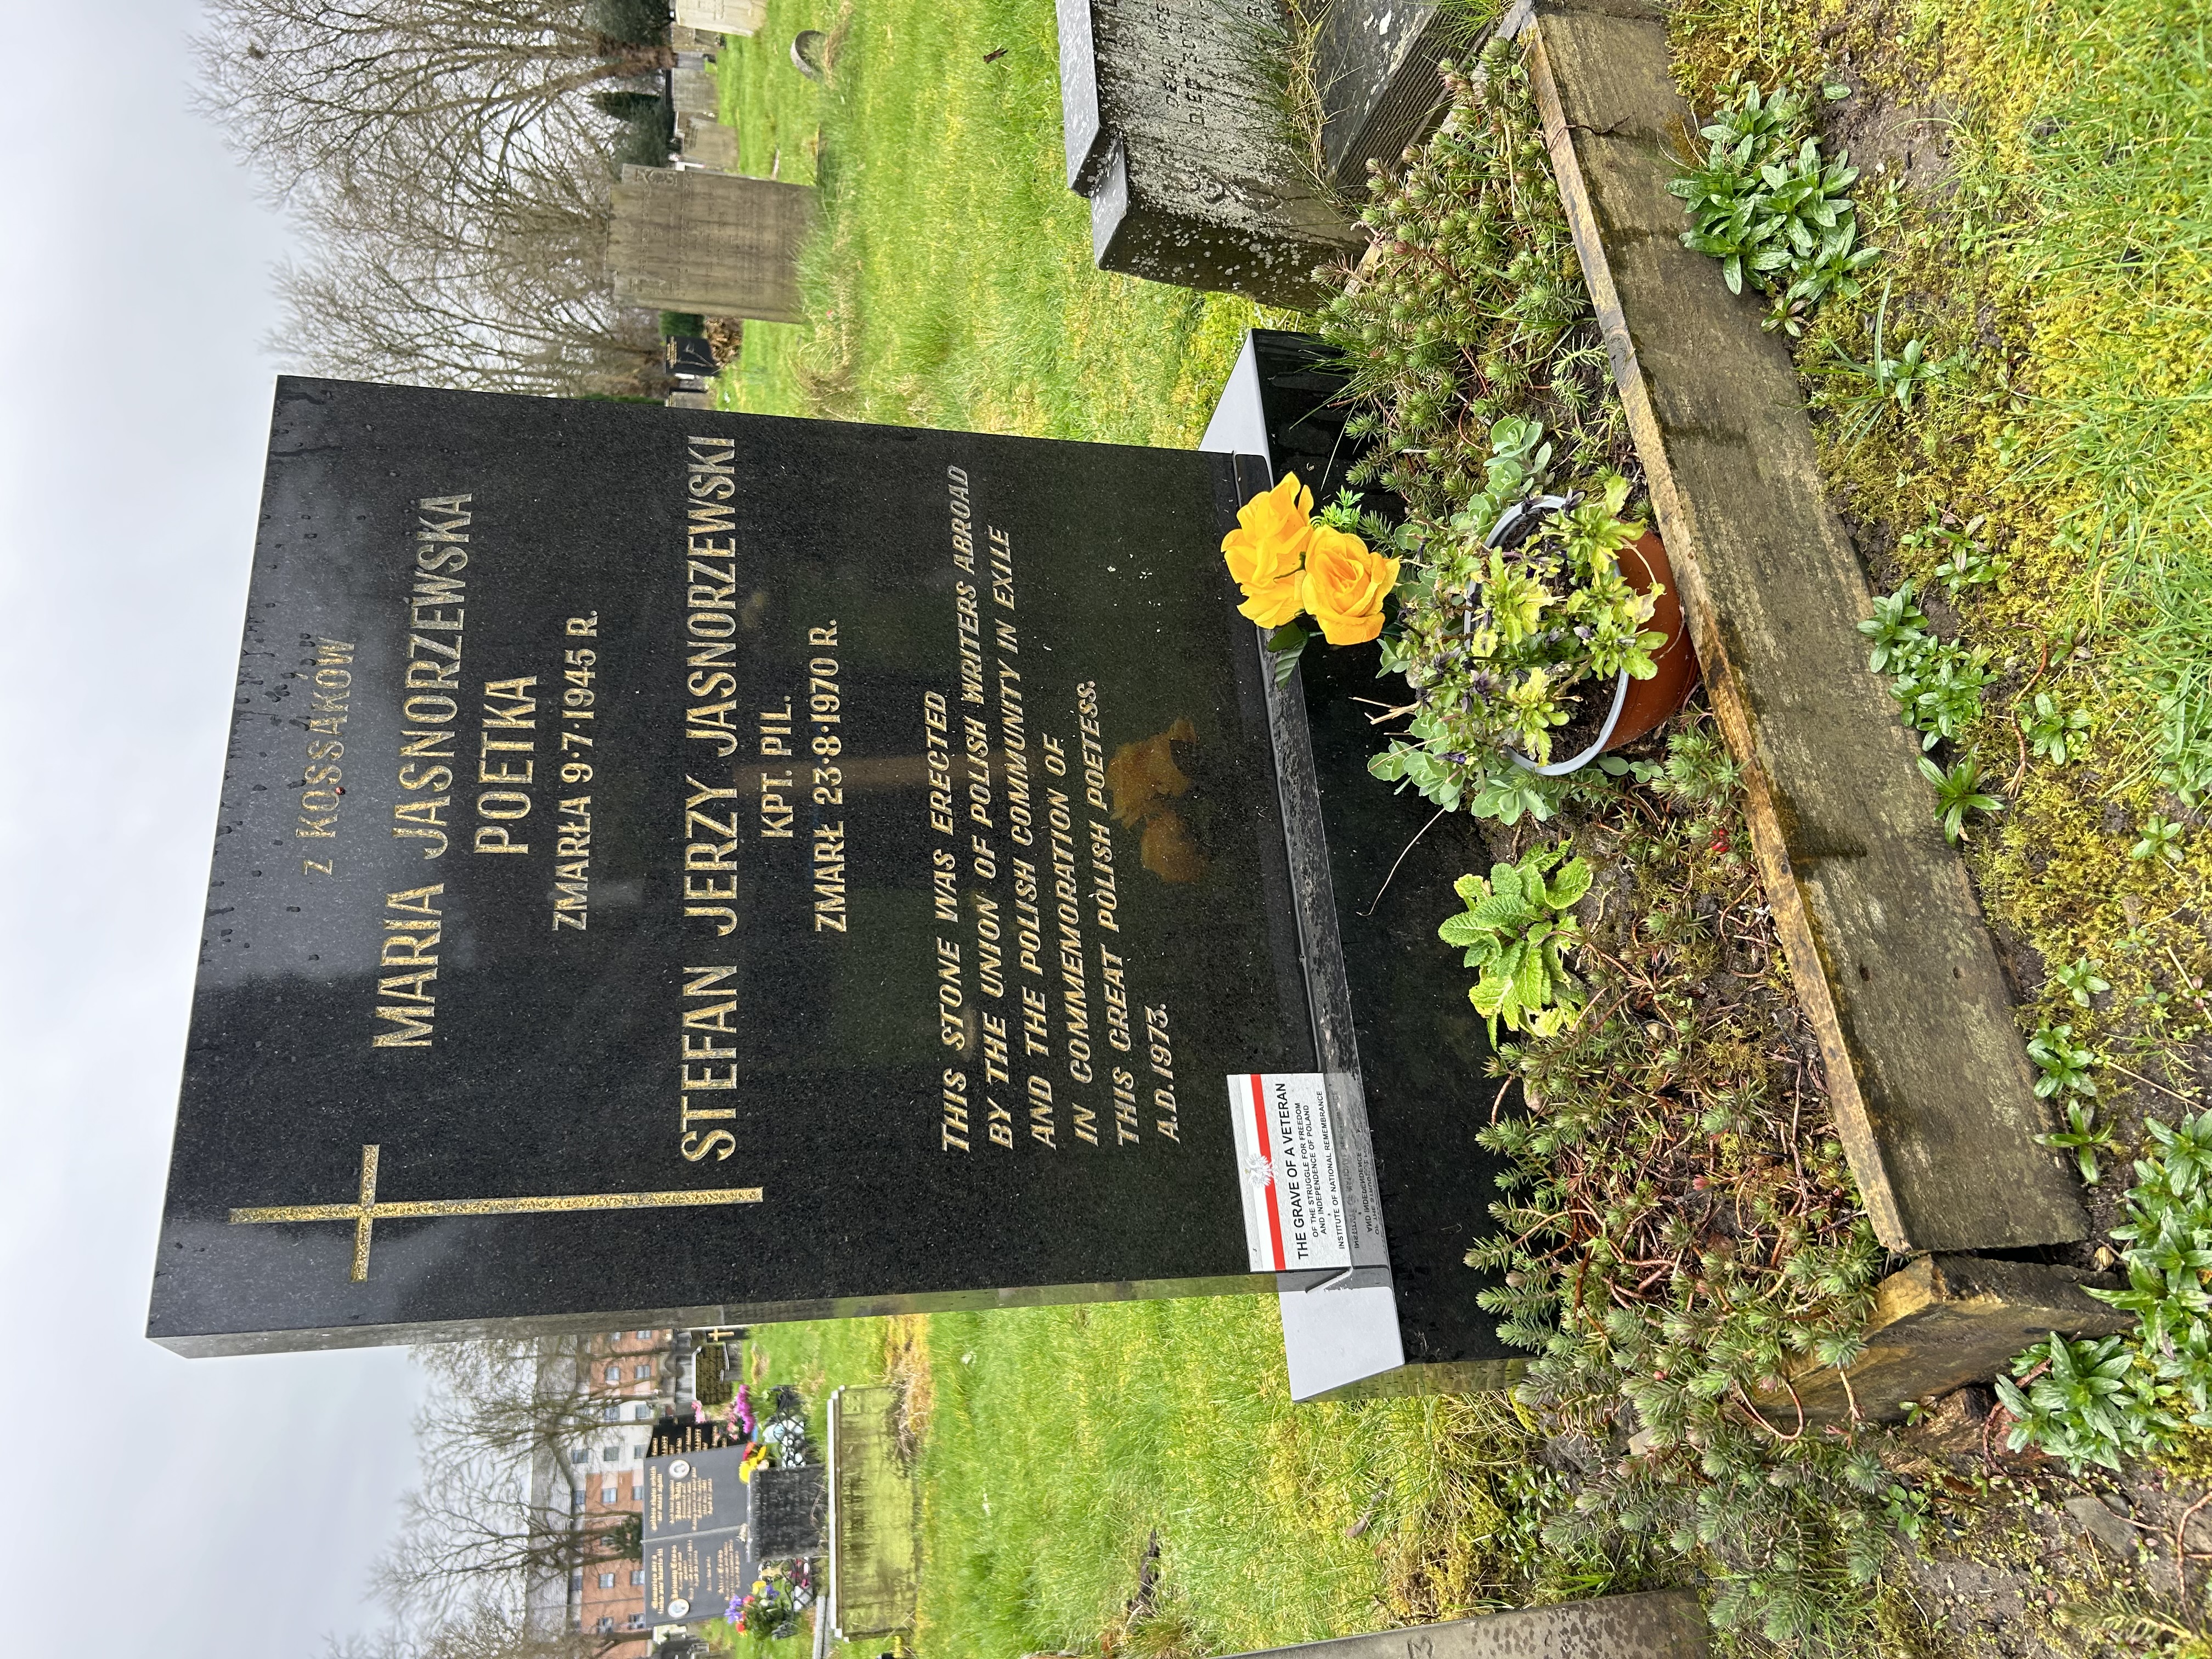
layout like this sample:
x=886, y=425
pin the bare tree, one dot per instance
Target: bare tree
x=494, y=1515
x=418, y=292
x=482, y=1631
x=463, y=1533
x=495, y=282
x=323, y=89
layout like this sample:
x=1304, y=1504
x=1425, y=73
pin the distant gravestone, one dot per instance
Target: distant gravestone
x=695, y=92
x=875, y=1551
x=1173, y=130
x=791, y=1512
x=708, y=242
x=689, y=354
x=701, y=1539
x=721, y=868
x=722, y=17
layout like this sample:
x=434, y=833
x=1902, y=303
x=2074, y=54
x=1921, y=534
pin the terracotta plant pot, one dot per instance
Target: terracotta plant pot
x=1638, y=706
x=1650, y=703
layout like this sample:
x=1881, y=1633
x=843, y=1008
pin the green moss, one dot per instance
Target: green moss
x=2064, y=250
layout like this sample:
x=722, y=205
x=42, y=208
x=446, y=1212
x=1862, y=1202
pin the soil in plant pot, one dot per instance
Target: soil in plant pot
x=1591, y=702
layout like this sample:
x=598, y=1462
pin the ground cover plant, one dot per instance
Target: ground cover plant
x=950, y=283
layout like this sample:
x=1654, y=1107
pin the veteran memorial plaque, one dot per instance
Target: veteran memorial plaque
x=705, y=868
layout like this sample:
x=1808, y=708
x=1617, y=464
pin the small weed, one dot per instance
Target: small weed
x=2084, y=1135
x=2062, y=1065
x=2160, y=839
x=2055, y=733
x=1861, y=391
x=2082, y=981
x=1958, y=792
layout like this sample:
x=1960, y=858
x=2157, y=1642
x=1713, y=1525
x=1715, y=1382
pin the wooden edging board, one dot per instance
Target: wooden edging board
x=1928, y=1079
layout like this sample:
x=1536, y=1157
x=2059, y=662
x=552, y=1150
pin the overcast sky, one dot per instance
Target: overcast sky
x=217, y=1506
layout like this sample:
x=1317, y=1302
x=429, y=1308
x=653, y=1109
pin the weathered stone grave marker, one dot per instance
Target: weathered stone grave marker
x=1174, y=133
x=708, y=242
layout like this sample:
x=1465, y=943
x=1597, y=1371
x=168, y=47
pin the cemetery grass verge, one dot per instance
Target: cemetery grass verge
x=2037, y=172
x=1074, y=1461
x=950, y=283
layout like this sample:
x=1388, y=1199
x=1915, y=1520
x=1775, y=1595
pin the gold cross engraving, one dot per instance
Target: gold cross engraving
x=368, y=1212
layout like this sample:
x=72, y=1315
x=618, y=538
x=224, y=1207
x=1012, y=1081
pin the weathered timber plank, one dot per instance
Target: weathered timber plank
x=1931, y=1082
x=1942, y=1322
x=1653, y=1624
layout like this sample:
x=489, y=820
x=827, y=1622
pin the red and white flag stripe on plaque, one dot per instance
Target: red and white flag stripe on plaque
x=1287, y=1174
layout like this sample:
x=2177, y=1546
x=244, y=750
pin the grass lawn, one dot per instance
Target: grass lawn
x=1058, y=1443
x=951, y=282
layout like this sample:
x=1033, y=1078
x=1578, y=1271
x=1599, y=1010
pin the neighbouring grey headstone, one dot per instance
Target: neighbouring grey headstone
x=708, y=143
x=1173, y=130
x=807, y=47
x=696, y=93
x=1657, y=1624
x=708, y=242
x=1376, y=63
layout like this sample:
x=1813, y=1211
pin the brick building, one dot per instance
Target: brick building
x=630, y=1372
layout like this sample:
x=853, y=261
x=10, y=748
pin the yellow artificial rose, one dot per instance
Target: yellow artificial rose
x=1344, y=586
x=1270, y=539
x=1276, y=602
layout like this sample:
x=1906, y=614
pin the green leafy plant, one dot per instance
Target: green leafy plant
x=2160, y=839
x=1776, y=214
x=1514, y=927
x=1966, y=562
x=2129, y=1395
x=1940, y=695
x=1897, y=628
x=2063, y=1065
x=2083, y=1402
x=2055, y=733
x=2081, y=980
x=2084, y=1136
x=1862, y=390
x=1958, y=792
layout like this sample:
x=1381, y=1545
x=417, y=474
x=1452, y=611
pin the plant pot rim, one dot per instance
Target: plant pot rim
x=1532, y=507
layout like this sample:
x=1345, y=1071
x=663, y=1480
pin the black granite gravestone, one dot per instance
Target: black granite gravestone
x=684, y=868
x=1373, y=873
x=700, y=1539
x=791, y=1511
